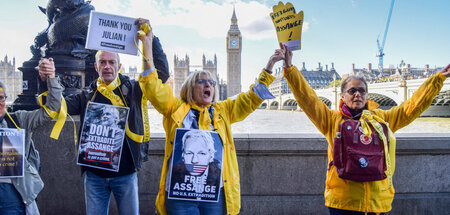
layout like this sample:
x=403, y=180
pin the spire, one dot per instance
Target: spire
x=234, y=18
x=234, y=26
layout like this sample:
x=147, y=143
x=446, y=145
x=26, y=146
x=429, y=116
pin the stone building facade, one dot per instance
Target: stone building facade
x=317, y=79
x=11, y=78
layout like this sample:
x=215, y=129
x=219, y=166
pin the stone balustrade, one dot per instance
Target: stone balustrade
x=280, y=174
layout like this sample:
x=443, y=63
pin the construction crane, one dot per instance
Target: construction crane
x=380, y=52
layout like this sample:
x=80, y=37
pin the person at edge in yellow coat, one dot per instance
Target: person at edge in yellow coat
x=198, y=108
x=346, y=196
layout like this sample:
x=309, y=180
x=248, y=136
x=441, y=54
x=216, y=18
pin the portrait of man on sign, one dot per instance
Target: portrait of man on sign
x=102, y=136
x=196, y=165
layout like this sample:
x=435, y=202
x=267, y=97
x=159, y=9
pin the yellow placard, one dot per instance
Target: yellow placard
x=288, y=25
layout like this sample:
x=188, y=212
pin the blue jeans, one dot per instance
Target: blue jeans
x=334, y=211
x=184, y=207
x=10, y=200
x=98, y=193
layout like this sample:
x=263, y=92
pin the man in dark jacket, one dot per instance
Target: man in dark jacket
x=116, y=89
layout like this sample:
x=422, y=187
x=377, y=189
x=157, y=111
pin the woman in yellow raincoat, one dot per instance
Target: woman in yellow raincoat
x=346, y=196
x=197, y=109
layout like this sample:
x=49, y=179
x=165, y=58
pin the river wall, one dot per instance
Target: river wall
x=280, y=174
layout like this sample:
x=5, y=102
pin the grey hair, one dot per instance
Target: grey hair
x=187, y=89
x=99, y=52
x=351, y=78
x=205, y=136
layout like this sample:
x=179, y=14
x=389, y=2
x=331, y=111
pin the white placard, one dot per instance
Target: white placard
x=112, y=33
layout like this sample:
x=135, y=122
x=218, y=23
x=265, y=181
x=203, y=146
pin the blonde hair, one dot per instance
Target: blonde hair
x=187, y=89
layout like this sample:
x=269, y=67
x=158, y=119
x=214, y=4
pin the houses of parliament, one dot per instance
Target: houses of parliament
x=182, y=66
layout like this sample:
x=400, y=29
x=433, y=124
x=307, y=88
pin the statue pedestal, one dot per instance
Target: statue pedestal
x=74, y=74
x=27, y=100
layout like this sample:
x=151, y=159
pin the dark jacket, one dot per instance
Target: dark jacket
x=77, y=103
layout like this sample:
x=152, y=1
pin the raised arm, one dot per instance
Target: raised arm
x=306, y=97
x=158, y=93
x=245, y=103
x=33, y=119
x=400, y=116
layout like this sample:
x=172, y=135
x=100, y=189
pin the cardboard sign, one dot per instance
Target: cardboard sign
x=102, y=136
x=288, y=25
x=12, y=144
x=196, y=166
x=112, y=33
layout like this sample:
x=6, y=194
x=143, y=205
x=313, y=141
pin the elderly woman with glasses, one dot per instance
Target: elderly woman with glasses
x=358, y=196
x=18, y=194
x=198, y=108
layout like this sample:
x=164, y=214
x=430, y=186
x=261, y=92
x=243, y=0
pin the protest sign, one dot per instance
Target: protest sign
x=196, y=166
x=12, y=144
x=102, y=135
x=112, y=33
x=288, y=25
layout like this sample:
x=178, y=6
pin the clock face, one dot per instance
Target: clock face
x=234, y=43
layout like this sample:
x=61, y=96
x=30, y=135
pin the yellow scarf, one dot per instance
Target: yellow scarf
x=204, y=120
x=107, y=92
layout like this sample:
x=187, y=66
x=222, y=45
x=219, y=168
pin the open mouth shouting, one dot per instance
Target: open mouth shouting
x=204, y=90
x=207, y=93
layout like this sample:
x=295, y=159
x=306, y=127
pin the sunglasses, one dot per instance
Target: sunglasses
x=203, y=82
x=352, y=91
x=3, y=98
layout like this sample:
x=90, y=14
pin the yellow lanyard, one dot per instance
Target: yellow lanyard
x=12, y=119
x=375, y=121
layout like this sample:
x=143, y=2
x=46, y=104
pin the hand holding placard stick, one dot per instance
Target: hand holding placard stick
x=288, y=25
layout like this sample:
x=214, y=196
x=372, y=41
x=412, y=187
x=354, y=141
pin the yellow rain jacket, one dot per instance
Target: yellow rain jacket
x=346, y=194
x=225, y=113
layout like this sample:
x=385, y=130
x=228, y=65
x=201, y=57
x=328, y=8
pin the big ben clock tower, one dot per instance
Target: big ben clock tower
x=234, y=49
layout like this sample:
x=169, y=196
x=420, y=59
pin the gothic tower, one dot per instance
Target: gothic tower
x=234, y=49
x=209, y=65
x=181, y=71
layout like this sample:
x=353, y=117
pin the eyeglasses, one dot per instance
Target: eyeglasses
x=3, y=98
x=352, y=91
x=203, y=82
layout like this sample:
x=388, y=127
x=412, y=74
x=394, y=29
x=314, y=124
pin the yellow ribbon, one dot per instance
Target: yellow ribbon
x=375, y=121
x=107, y=92
x=53, y=114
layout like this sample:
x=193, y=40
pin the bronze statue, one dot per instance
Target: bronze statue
x=63, y=40
x=66, y=34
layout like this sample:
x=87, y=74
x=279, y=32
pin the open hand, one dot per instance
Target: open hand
x=446, y=71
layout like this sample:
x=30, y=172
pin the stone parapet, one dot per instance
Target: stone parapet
x=280, y=174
